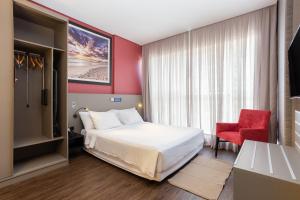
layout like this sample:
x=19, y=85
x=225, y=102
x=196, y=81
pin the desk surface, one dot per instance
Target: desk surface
x=271, y=160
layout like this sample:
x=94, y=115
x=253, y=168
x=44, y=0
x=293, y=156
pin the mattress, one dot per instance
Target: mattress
x=146, y=149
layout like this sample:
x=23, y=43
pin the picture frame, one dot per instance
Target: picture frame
x=89, y=56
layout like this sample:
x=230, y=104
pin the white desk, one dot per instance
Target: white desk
x=265, y=171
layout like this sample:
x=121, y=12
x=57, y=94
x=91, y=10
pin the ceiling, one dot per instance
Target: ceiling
x=145, y=21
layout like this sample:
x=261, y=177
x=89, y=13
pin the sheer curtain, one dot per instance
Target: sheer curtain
x=222, y=72
x=165, y=81
x=208, y=75
x=233, y=66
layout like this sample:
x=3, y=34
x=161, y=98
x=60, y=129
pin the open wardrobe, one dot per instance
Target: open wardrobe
x=33, y=87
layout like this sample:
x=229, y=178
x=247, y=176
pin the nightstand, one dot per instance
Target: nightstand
x=75, y=143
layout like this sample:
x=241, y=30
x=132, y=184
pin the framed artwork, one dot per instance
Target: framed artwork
x=89, y=56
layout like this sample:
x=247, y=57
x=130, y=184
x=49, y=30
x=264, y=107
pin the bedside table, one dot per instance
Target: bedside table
x=75, y=143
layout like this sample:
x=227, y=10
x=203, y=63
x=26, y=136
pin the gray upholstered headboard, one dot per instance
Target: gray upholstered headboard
x=98, y=102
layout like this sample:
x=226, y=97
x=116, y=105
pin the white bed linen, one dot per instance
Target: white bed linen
x=151, y=148
x=159, y=176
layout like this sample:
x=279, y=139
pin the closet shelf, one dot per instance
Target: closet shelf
x=34, y=45
x=58, y=49
x=24, y=142
x=37, y=163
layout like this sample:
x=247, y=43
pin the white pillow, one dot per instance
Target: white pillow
x=86, y=120
x=128, y=116
x=105, y=120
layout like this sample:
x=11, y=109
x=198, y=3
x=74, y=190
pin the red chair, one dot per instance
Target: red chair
x=252, y=125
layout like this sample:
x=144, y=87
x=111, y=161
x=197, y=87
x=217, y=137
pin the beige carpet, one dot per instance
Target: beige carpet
x=203, y=176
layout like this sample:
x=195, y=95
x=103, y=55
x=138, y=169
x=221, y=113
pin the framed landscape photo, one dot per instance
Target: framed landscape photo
x=89, y=56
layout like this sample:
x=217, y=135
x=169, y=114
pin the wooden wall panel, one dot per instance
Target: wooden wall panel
x=6, y=88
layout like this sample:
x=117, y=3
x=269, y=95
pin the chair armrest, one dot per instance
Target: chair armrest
x=227, y=127
x=257, y=134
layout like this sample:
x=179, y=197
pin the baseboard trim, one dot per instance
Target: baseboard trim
x=15, y=179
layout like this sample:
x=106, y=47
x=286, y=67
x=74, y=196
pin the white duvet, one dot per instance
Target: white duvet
x=143, y=145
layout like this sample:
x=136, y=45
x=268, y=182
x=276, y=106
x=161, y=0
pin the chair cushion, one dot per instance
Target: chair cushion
x=231, y=136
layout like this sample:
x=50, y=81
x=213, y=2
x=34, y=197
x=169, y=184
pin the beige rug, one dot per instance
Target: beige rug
x=203, y=176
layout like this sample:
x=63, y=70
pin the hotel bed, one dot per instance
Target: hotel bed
x=148, y=150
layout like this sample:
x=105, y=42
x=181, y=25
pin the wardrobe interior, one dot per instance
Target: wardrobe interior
x=40, y=87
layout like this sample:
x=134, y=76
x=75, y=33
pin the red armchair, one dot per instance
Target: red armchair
x=252, y=125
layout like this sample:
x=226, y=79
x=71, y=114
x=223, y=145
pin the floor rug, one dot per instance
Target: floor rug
x=203, y=176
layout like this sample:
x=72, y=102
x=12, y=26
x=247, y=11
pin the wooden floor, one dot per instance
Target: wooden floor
x=89, y=178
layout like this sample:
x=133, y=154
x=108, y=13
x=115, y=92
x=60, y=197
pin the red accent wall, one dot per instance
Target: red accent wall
x=126, y=64
x=126, y=60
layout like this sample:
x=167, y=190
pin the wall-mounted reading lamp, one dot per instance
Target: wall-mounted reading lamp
x=75, y=115
x=139, y=105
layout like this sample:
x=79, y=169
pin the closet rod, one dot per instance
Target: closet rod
x=18, y=51
x=31, y=54
x=34, y=54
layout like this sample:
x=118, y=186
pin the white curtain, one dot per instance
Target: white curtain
x=166, y=66
x=233, y=66
x=222, y=72
x=208, y=75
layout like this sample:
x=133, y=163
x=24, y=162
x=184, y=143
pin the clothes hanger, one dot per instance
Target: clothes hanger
x=19, y=58
x=32, y=61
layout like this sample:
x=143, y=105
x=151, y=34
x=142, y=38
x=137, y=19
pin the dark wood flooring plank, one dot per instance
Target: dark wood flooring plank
x=89, y=178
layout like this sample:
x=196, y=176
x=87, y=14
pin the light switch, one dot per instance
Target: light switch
x=116, y=99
